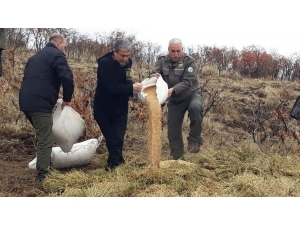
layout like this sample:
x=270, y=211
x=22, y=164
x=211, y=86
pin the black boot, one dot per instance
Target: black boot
x=40, y=178
x=179, y=158
x=112, y=166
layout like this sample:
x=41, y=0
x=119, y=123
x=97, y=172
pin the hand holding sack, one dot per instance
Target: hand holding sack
x=161, y=89
x=67, y=126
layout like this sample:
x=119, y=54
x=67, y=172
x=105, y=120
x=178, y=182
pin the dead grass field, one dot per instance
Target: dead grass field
x=238, y=159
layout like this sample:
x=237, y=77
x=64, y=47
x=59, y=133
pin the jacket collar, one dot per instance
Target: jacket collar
x=52, y=45
x=49, y=44
x=108, y=55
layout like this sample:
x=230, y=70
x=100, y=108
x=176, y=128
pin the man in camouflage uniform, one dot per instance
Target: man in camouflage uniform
x=179, y=71
x=2, y=46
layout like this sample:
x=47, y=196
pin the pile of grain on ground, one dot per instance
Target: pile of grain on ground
x=170, y=163
x=154, y=126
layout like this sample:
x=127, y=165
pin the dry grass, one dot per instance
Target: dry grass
x=232, y=173
x=230, y=163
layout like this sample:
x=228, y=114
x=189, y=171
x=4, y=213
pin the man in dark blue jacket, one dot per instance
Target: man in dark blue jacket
x=114, y=88
x=44, y=73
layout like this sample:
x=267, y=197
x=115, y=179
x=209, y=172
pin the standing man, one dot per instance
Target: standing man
x=179, y=71
x=2, y=46
x=44, y=73
x=111, y=99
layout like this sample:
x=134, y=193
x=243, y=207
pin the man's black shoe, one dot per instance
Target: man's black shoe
x=110, y=167
x=122, y=161
x=179, y=158
x=40, y=178
x=200, y=141
x=194, y=146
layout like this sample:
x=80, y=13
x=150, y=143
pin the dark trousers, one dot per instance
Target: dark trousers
x=113, y=128
x=176, y=113
x=42, y=124
x=0, y=62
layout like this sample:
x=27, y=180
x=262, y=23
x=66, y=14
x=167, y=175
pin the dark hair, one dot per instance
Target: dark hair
x=122, y=44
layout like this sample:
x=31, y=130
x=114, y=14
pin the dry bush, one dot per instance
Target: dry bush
x=210, y=71
x=233, y=76
x=139, y=74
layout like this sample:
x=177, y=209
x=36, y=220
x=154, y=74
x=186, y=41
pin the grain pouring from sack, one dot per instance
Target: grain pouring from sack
x=154, y=125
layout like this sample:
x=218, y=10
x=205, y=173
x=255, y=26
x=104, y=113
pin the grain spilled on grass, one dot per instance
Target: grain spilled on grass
x=154, y=126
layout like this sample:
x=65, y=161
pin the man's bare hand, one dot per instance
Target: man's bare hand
x=170, y=91
x=137, y=87
x=64, y=104
x=157, y=75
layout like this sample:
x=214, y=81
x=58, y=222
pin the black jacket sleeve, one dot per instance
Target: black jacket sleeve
x=65, y=74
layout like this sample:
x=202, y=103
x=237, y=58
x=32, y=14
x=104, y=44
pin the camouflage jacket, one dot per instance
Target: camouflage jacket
x=181, y=76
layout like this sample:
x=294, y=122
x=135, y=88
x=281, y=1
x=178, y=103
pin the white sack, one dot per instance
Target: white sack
x=80, y=155
x=161, y=89
x=67, y=126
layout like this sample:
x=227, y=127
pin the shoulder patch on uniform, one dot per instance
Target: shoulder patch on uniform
x=190, y=69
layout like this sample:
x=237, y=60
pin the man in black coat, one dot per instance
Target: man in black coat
x=44, y=73
x=114, y=87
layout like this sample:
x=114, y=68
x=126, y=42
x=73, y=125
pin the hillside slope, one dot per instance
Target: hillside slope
x=250, y=144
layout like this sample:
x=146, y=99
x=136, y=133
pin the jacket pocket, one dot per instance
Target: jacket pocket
x=166, y=71
x=178, y=74
x=178, y=71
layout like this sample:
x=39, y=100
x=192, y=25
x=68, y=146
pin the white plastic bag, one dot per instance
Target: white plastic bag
x=67, y=126
x=80, y=155
x=161, y=89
